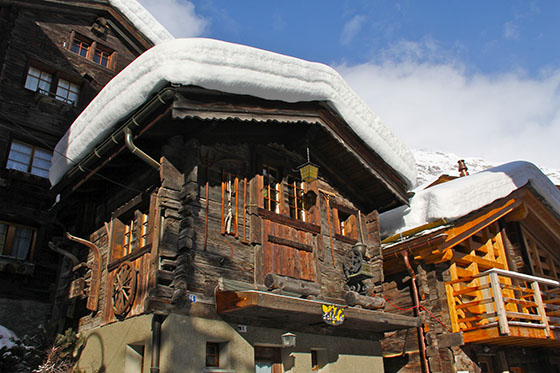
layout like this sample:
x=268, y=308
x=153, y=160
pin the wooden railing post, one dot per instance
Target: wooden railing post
x=540, y=307
x=499, y=303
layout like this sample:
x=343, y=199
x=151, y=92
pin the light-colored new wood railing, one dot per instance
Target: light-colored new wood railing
x=506, y=300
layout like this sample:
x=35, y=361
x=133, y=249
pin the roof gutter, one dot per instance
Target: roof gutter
x=163, y=98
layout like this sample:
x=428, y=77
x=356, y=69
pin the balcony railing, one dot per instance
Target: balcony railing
x=496, y=304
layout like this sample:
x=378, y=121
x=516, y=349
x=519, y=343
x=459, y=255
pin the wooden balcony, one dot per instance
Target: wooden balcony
x=506, y=308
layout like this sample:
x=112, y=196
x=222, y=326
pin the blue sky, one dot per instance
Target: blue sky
x=475, y=78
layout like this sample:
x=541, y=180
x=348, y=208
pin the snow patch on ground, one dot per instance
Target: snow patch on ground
x=7, y=338
x=461, y=196
x=230, y=68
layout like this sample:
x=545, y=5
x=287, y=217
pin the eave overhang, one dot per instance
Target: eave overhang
x=297, y=314
x=336, y=144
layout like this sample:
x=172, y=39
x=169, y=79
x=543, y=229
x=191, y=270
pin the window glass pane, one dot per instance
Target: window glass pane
x=43, y=154
x=22, y=242
x=16, y=166
x=19, y=157
x=40, y=167
x=31, y=83
x=20, y=148
x=3, y=234
x=73, y=98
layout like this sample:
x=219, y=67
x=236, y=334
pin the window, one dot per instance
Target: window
x=294, y=196
x=132, y=227
x=67, y=92
x=283, y=195
x=268, y=360
x=38, y=80
x=212, y=354
x=80, y=47
x=230, y=203
x=16, y=240
x=41, y=81
x=348, y=226
x=271, y=189
x=30, y=159
x=91, y=50
x=131, y=232
x=102, y=57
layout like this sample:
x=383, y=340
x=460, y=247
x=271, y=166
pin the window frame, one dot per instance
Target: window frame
x=212, y=355
x=132, y=228
x=32, y=158
x=276, y=193
x=9, y=235
x=343, y=215
x=92, y=51
x=55, y=85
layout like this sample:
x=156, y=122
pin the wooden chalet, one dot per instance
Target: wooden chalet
x=55, y=56
x=487, y=288
x=202, y=249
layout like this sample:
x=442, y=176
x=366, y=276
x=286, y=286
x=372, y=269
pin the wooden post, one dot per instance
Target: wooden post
x=452, y=310
x=499, y=303
x=540, y=307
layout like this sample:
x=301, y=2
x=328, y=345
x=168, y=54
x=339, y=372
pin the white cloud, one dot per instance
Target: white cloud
x=511, y=31
x=351, y=29
x=178, y=16
x=440, y=106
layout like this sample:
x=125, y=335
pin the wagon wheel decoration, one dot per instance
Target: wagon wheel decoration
x=124, y=288
x=352, y=262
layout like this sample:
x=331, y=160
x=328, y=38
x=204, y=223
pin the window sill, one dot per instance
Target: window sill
x=346, y=239
x=286, y=220
x=217, y=370
x=17, y=266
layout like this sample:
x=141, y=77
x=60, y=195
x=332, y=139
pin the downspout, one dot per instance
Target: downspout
x=137, y=151
x=416, y=300
x=157, y=320
x=163, y=98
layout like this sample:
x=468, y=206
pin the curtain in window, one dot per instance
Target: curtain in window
x=22, y=242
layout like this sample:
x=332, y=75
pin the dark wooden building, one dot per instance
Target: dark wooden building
x=55, y=56
x=203, y=249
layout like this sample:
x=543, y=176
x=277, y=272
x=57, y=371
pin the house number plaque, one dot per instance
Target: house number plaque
x=333, y=315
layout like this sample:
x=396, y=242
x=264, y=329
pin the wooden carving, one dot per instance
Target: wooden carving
x=95, y=283
x=124, y=288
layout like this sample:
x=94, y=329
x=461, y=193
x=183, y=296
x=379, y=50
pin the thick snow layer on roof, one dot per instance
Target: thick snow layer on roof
x=230, y=68
x=143, y=20
x=459, y=197
x=7, y=338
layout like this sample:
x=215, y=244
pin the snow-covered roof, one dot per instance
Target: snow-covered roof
x=230, y=68
x=142, y=20
x=457, y=198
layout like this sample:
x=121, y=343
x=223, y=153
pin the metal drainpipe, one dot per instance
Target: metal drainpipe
x=416, y=311
x=157, y=320
x=137, y=152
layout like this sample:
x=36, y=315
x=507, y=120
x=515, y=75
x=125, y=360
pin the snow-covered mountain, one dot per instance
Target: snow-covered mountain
x=432, y=164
